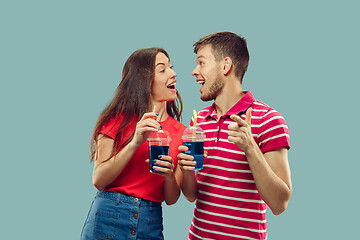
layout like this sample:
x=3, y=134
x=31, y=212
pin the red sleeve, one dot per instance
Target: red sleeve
x=110, y=128
x=274, y=132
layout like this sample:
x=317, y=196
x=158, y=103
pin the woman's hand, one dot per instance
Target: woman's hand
x=166, y=168
x=144, y=127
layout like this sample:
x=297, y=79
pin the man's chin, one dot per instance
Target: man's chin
x=206, y=98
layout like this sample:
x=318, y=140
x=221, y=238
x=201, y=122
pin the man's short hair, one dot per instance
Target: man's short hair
x=227, y=44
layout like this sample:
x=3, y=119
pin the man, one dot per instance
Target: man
x=246, y=168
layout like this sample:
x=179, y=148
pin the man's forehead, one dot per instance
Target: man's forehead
x=204, y=52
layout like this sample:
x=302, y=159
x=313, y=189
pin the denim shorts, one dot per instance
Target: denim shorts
x=118, y=216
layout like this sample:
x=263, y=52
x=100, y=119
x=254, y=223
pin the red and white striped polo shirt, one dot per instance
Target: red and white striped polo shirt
x=228, y=204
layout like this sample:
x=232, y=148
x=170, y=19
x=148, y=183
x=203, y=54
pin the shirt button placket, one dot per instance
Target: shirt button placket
x=218, y=131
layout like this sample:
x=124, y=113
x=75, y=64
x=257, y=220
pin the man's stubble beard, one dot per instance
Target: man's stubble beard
x=214, y=90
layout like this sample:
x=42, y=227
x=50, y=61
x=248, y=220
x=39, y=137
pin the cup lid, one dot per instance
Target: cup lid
x=160, y=135
x=194, y=134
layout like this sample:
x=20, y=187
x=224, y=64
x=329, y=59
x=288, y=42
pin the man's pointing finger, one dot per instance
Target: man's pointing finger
x=238, y=120
x=248, y=116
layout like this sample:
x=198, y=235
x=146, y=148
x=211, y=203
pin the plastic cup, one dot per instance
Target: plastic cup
x=194, y=138
x=158, y=145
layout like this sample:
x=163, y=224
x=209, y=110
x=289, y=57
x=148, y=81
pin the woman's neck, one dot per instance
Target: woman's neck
x=161, y=109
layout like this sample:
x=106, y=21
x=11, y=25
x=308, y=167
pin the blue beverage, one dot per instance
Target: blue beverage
x=196, y=149
x=154, y=152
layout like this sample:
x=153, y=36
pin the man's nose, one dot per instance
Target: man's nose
x=195, y=72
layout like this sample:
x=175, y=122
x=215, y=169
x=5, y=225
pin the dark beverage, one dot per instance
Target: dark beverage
x=154, y=152
x=196, y=149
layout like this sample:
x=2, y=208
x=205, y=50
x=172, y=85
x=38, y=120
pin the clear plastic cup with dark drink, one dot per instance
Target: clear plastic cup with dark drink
x=158, y=145
x=194, y=138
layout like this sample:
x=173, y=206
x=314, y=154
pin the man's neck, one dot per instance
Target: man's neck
x=227, y=99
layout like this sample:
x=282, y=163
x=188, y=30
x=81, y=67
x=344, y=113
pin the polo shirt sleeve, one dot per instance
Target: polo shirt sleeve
x=273, y=132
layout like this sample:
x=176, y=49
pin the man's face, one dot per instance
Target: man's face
x=207, y=73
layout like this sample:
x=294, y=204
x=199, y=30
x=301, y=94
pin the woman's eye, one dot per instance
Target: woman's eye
x=171, y=67
x=162, y=70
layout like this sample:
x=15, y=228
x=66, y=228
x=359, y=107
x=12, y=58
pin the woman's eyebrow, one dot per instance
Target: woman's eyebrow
x=159, y=64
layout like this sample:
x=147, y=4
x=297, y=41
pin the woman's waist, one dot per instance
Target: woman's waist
x=120, y=197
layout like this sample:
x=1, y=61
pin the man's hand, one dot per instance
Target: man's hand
x=240, y=131
x=185, y=161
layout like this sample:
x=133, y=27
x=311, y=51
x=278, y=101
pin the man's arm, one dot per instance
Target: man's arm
x=271, y=170
x=272, y=177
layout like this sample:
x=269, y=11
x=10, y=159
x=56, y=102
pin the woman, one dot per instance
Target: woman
x=128, y=203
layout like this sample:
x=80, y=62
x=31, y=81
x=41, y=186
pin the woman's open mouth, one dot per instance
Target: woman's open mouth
x=171, y=86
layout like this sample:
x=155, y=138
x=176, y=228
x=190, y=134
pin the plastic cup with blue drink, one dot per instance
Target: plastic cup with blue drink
x=158, y=145
x=194, y=138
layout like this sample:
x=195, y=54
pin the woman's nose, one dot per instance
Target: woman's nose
x=173, y=74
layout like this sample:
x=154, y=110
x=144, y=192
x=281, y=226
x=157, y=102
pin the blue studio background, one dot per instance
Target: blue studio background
x=60, y=62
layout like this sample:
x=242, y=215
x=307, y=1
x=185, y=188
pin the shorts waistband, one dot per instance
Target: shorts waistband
x=119, y=197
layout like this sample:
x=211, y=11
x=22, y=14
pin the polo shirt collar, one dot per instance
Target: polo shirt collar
x=240, y=107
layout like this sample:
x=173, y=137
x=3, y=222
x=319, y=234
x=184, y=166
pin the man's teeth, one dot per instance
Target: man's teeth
x=201, y=82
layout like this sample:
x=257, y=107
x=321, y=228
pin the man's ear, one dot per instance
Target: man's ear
x=228, y=65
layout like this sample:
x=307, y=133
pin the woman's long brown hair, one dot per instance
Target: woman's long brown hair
x=132, y=98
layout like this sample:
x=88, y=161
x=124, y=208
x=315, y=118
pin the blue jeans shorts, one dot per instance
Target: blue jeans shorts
x=118, y=216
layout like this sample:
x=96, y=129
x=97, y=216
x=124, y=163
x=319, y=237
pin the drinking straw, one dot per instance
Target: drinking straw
x=161, y=148
x=194, y=126
x=154, y=112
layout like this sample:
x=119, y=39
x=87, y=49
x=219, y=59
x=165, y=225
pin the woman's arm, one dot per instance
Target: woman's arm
x=105, y=171
x=189, y=179
x=172, y=178
x=172, y=187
